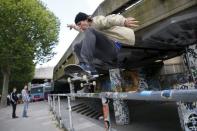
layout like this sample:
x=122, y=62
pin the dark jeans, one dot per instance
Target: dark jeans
x=13, y=110
x=95, y=45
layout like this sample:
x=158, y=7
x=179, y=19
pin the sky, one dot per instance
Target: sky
x=66, y=10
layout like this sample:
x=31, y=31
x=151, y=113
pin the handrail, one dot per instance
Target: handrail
x=189, y=95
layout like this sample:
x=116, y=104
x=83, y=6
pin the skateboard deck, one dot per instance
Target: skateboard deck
x=74, y=70
x=77, y=73
x=79, y=78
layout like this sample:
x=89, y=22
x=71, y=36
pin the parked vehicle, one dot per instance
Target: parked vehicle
x=40, y=91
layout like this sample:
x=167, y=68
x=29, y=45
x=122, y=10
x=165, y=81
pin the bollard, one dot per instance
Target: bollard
x=54, y=104
x=59, y=107
x=49, y=102
x=70, y=114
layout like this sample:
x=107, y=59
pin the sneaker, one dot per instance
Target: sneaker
x=89, y=68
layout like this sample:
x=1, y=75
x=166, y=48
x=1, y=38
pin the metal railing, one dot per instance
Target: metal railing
x=54, y=100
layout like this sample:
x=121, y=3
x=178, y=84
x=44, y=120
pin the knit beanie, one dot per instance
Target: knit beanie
x=80, y=17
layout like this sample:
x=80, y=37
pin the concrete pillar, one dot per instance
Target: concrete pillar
x=121, y=109
x=188, y=110
x=71, y=85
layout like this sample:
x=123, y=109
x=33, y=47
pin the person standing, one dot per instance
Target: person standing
x=14, y=99
x=26, y=100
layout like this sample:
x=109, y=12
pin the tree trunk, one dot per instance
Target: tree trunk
x=6, y=75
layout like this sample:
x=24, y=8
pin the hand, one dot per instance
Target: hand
x=131, y=22
x=72, y=26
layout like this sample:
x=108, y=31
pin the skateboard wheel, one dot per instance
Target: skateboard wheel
x=81, y=84
x=94, y=83
x=69, y=80
x=84, y=77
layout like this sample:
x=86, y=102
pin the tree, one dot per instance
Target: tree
x=28, y=31
x=20, y=76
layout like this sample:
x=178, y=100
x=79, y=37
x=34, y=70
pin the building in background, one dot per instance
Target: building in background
x=42, y=75
x=42, y=83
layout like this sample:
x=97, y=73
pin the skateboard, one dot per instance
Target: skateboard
x=77, y=75
x=74, y=70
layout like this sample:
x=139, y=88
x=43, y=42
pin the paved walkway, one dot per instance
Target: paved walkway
x=148, y=117
x=40, y=119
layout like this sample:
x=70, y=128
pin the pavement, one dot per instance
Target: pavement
x=146, y=117
x=40, y=119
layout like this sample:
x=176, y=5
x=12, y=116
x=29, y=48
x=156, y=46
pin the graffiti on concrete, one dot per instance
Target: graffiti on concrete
x=188, y=115
x=167, y=94
x=188, y=110
x=192, y=54
x=192, y=122
x=131, y=80
x=192, y=61
x=116, y=79
x=145, y=93
x=190, y=105
x=121, y=111
x=143, y=82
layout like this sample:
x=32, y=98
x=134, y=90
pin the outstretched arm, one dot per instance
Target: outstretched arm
x=73, y=26
x=102, y=22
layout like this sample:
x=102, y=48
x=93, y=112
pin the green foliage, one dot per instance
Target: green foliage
x=23, y=72
x=27, y=29
x=20, y=76
x=28, y=32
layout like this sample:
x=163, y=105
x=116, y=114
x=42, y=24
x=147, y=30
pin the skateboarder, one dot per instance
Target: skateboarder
x=103, y=37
